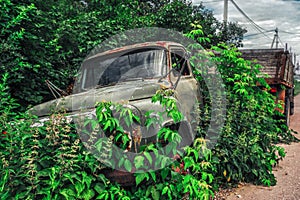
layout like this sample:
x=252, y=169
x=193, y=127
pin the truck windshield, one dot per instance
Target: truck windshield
x=110, y=69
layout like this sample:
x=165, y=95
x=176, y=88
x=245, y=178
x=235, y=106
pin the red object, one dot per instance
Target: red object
x=273, y=90
x=4, y=132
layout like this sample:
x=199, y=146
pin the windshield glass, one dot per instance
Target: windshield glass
x=143, y=63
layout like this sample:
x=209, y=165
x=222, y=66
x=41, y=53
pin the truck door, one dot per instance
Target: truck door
x=185, y=84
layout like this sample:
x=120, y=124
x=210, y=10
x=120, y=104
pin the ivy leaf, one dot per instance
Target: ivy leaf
x=127, y=165
x=155, y=194
x=148, y=156
x=88, y=194
x=164, y=173
x=107, y=125
x=79, y=187
x=139, y=161
x=87, y=179
x=99, y=188
x=68, y=193
x=153, y=175
x=165, y=190
x=140, y=177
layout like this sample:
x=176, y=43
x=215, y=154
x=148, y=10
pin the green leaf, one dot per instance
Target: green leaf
x=164, y=173
x=254, y=171
x=121, y=161
x=87, y=179
x=4, y=180
x=148, y=156
x=165, y=190
x=210, y=178
x=88, y=194
x=127, y=165
x=104, y=195
x=79, y=188
x=140, y=177
x=204, y=176
x=99, y=144
x=153, y=175
x=165, y=161
x=155, y=194
x=138, y=162
x=68, y=193
x=99, y=188
x=107, y=125
x=188, y=162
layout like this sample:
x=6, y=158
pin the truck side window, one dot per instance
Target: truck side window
x=179, y=63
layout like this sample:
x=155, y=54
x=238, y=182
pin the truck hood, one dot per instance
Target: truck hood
x=121, y=92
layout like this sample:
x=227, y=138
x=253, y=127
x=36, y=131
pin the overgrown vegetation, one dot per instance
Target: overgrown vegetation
x=48, y=41
x=246, y=150
x=49, y=161
x=297, y=88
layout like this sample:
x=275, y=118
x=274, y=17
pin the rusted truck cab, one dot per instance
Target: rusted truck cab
x=132, y=75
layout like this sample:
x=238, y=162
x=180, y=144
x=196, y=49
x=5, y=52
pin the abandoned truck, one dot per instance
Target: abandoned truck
x=133, y=74
x=278, y=65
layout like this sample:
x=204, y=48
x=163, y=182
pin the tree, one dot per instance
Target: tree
x=48, y=41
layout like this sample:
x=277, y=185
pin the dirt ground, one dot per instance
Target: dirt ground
x=287, y=172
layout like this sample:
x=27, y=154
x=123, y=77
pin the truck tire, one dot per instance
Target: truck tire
x=292, y=108
x=292, y=101
x=287, y=111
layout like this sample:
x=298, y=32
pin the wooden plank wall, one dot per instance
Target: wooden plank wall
x=276, y=63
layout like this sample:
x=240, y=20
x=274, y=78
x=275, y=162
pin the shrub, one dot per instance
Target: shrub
x=48, y=161
x=246, y=150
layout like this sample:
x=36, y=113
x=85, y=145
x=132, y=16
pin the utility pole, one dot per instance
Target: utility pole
x=225, y=14
x=275, y=39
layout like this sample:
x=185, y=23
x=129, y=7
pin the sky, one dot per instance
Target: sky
x=267, y=14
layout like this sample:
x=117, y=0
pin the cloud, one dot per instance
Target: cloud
x=268, y=14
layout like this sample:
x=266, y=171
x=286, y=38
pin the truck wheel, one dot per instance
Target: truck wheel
x=292, y=93
x=287, y=111
x=292, y=108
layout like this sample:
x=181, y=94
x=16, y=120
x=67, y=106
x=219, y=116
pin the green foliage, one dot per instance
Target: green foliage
x=246, y=150
x=186, y=175
x=50, y=161
x=48, y=41
x=297, y=88
x=47, y=160
x=44, y=162
x=7, y=103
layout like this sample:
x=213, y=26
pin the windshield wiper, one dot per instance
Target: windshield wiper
x=55, y=90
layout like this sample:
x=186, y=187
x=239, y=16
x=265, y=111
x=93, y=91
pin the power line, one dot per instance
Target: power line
x=290, y=32
x=256, y=26
x=254, y=34
x=245, y=15
x=213, y=1
x=261, y=31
